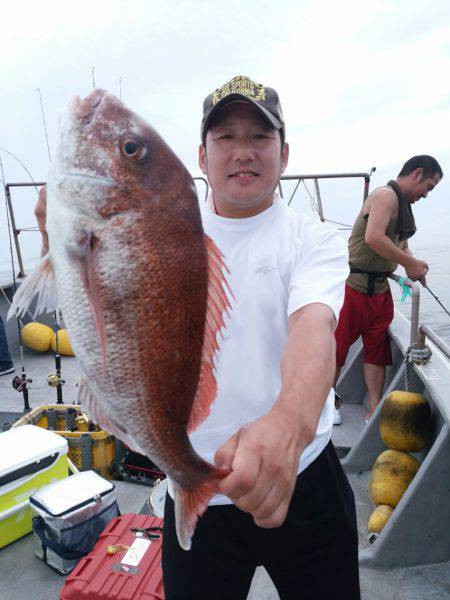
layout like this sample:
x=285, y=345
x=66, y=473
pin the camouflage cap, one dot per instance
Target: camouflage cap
x=243, y=89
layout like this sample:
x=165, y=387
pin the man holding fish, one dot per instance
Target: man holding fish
x=277, y=495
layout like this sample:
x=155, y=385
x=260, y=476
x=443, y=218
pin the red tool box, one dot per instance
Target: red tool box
x=113, y=572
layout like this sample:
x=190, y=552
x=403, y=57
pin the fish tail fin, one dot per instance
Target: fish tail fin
x=217, y=304
x=191, y=504
x=40, y=283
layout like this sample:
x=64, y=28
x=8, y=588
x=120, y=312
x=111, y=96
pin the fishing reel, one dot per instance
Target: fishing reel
x=54, y=380
x=20, y=384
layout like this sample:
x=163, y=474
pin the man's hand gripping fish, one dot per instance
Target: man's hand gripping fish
x=141, y=289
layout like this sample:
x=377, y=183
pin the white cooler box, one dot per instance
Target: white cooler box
x=69, y=517
x=30, y=458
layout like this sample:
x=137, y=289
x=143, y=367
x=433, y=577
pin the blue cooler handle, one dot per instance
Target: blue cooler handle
x=65, y=552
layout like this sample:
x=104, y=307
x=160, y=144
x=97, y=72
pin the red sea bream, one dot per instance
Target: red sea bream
x=141, y=288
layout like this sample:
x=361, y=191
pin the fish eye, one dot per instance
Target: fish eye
x=132, y=148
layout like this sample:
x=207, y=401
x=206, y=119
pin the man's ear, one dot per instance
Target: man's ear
x=284, y=156
x=202, y=158
x=418, y=173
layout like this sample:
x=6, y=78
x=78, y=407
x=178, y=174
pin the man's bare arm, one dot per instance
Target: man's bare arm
x=382, y=207
x=41, y=214
x=264, y=455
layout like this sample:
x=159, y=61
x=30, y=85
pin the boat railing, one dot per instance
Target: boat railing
x=415, y=336
x=425, y=330
x=17, y=230
x=315, y=178
x=419, y=332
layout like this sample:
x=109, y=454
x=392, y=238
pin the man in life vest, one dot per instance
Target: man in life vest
x=377, y=245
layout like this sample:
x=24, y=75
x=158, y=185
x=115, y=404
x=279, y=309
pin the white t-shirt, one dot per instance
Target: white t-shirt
x=279, y=261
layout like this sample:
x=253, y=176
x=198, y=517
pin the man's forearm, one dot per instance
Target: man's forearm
x=387, y=249
x=307, y=367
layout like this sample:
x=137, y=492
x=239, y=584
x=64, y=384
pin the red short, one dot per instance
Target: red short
x=369, y=317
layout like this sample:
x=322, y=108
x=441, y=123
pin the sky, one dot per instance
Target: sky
x=362, y=83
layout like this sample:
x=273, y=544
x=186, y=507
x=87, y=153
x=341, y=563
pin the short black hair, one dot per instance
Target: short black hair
x=429, y=165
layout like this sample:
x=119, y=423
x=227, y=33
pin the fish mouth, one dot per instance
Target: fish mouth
x=83, y=110
x=88, y=177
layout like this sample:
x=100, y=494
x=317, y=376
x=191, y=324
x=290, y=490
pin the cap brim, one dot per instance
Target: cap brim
x=230, y=99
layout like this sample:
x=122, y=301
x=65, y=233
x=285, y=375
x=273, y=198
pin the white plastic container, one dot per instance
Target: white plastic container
x=30, y=458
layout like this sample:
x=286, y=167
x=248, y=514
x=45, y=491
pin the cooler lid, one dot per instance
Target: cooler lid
x=27, y=444
x=72, y=492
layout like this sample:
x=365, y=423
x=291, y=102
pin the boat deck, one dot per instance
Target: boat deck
x=22, y=575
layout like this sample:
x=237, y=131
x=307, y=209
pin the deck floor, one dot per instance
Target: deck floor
x=23, y=576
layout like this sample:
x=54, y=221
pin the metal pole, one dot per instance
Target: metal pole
x=205, y=181
x=415, y=306
x=319, y=200
x=324, y=176
x=425, y=330
x=21, y=272
x=366, y=188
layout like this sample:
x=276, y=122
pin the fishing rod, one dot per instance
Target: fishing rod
x=22, y=165
x=45, y=125
x=437, y=300
x=55, y=379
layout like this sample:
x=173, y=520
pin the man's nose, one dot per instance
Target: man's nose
x=244, y=150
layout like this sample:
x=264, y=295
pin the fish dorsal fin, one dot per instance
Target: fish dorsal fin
x=217, y=303
x=40, y=283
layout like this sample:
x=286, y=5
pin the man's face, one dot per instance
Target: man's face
x=422, y=185
x=243, y=160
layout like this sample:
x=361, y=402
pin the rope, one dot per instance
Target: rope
x=415, y=355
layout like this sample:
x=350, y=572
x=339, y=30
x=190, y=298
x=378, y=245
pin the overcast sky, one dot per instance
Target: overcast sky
x=362, y=84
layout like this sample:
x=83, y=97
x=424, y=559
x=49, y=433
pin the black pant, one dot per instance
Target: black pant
x=312, y=556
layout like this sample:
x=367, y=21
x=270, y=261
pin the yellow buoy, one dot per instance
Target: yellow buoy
x=405, y=421
x=64, y=345
x=37, y=336
x=379, y=518
x=391, y=474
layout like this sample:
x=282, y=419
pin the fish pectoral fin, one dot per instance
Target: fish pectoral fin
x=189, y=506
x=81, y=249
x=40, y=283
x=217, y=304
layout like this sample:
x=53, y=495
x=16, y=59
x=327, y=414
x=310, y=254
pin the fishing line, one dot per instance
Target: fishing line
x=10, y=304
x=45, y=125
x=120, y=88
x=21, y=163
x=437, y=300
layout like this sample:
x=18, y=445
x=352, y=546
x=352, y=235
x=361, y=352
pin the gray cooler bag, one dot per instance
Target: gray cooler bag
x=69, y=516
